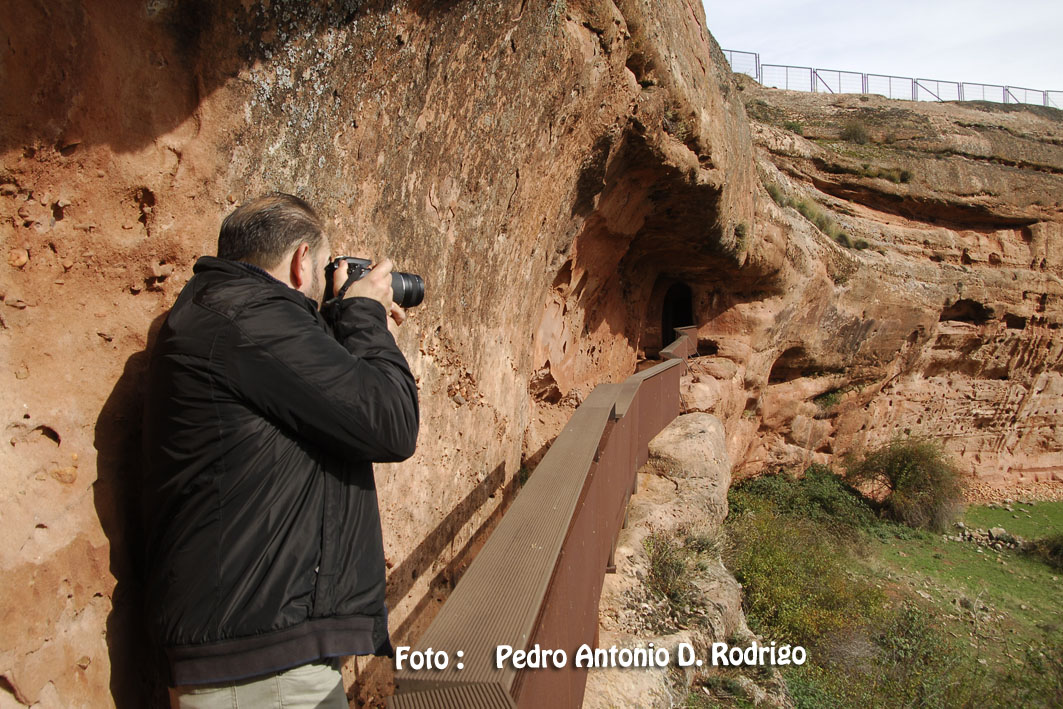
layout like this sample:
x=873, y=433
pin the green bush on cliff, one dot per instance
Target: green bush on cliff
x=676, y=559
x=776, y=194
x=1048, y=549
x=819, y=495
x=856, y=132
x=813, y=213
x=912, y=481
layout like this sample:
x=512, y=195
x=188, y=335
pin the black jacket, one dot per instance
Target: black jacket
x=262, y=417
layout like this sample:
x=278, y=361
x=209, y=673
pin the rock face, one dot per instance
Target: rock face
x=694, y=447
x=543, y=165
x=934, y=311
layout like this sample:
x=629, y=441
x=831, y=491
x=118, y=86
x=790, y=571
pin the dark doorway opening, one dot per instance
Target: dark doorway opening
x=678, y=311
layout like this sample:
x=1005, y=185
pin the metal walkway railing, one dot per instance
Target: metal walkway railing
x=538, y=579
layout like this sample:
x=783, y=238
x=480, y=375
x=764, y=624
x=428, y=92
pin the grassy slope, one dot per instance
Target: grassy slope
x=999, y=608
x=1027, y=521
x=996, y=601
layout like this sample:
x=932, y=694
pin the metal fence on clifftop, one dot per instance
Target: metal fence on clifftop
x=836, y=81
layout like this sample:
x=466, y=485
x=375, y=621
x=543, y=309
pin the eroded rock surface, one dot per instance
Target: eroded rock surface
x=540, y=164
x=936, y=312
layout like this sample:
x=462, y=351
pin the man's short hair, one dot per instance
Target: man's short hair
x=263, y=230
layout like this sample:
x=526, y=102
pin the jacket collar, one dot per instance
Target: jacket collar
x=239, y=269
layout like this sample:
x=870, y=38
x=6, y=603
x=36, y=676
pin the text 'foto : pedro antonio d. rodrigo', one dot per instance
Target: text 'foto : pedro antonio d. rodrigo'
x=585, y=656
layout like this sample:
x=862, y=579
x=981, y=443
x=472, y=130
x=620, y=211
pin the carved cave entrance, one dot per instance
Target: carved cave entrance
x=677, y=311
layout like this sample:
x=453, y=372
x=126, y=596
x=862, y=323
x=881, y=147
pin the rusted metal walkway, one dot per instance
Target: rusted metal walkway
x=538, y=579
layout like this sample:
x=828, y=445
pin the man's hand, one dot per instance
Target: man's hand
x=376, y=285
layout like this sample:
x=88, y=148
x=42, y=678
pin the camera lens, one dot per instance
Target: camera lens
x=407, y=289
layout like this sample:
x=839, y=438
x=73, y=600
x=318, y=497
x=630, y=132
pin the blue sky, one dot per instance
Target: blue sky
x=1019, y=43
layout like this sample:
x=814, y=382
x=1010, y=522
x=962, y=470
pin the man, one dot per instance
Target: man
x=262, y=418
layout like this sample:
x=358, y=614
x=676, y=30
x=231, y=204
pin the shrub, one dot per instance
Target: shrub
x=828, y=399
x=741, y=232
x=856, y=132
x=1049, y=549
x=820, y=495
x=912, y=481
x=794, y=578
x=794, y=127
x=777, y=195
x=676, y=559
x=669, y=577
x=811, y=212
x=842, y=238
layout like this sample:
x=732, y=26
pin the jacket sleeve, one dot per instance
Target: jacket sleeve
x=352, y=394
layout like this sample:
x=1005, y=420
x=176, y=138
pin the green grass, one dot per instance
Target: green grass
x=892, y=616
x=811, y=211
x=1028, y=521
x=794, y=577
x=819, y=495
x=1005, y=581
x=828, y=399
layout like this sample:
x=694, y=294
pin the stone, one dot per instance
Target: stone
x=701, y=396
x=999, y=534
x=17, y=258
x=693, y=447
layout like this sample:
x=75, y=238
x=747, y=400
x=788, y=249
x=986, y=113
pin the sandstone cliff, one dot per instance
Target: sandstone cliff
x=571, y=178
x=934, y=310
x=542, y=164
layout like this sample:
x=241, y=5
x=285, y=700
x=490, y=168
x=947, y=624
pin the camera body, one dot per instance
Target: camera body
x=407, y=289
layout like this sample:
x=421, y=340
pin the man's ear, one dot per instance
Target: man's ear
x=302, y=266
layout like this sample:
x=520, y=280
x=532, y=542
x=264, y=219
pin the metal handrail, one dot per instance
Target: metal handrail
x=538, y=579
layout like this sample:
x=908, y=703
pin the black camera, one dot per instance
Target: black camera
x=407, y=289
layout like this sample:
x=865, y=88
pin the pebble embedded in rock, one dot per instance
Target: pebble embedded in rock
x=18, y=258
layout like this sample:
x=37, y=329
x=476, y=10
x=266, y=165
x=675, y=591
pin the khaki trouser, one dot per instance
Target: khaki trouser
x=314, y=686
